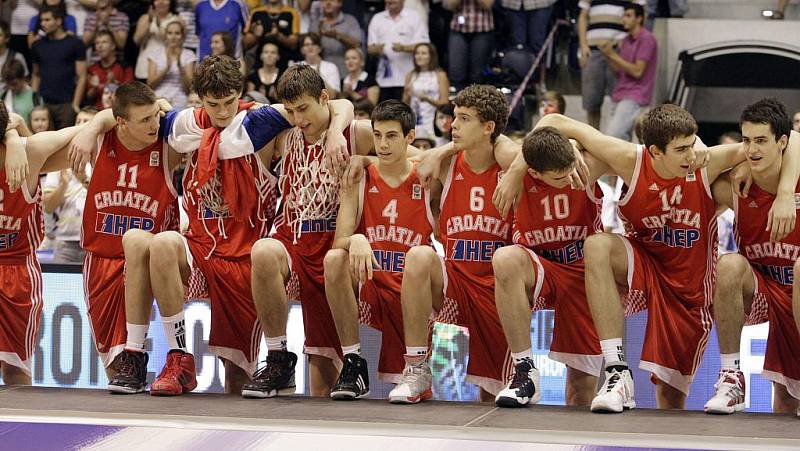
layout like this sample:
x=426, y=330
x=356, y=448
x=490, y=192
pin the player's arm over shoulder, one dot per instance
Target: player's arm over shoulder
x=346, y=217
x=364, y=141
x=722, y=190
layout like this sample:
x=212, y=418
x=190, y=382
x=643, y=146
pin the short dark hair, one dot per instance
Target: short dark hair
x=395, y=110
x=558, y=98
x=547, y=149
x=4, y=119
x=732, y=135
x=315, y=38
x=298, y=81
x=664, y=123
x=57, y=11
x=363, y=105
x=490, y=104
x=13, y=70
x=217, y=76
x=132, y=93
x=769, y=111
x=106, y=32
x=637, y=9
x=91, y=109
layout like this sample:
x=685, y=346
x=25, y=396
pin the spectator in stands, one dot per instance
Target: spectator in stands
x=471, y=40
x=796, y=121
x=108, y=95
x=635, y=65
x=21, y=13
x=18, y=97
x=339, y=32
x=552, y=102
x=41, y=120
x=8, y=55
x=312, y=54
x=266, y=72
x=599, y=21
x=150, y=32
x=424, y=142
x=222, y=44
x=363, y=109
x=393, y=35
x=106, y=17
x=664, y=9
x=186, y=13
x=193, y=100
x=528, y=20
x=426, y=87
x=439, y=22
x=107, y=70
x=35, y=32
x=171, y=69
x=358, y=84
x=59, y=68
x=443, y=124
x=212, y=16
x=277, y=23
x=80, y=10
x=730, y=137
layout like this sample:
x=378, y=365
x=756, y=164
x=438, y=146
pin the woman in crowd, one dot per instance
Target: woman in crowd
x=358, y=84
x=444, y=123
x=222, y=44
x=151, y=31
x=170, y=71
x=426, y=87
x=265, y=74
x=312, y=54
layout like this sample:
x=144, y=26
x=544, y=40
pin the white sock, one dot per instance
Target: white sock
x=353, y=349
x=730, y=361
x=612, y=351
x=175, y=330
x=276, y=343
x=137, y=334
x=520, y=356
x=416, y=350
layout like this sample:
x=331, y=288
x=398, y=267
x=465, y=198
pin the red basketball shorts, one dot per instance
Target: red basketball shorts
x=20, y=312
x=104, y=292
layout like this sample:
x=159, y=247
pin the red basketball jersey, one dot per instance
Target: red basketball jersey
x=675, y=222
x=470, y=226
x=774, y=260
x=212, y=228
x=21, y=222
x=128, y=190
x=554, y=222
x=394, y=220
x=304, y=177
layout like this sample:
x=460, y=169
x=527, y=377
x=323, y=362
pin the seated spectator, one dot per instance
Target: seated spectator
x=150, y=32
x=107, y=70
x=212, y=16
x=362, y=109
x=108, y=95
x=278, y=23
x=445, y=115
x=7, y=55
x=18, y=97
x=358, y=84
x=730, y=137
x=40, y=119
x=426, y=87
x=35, y=32
x=171, y=69
x=471, y=40
x=19, y=20
x=266, y=72
x=106, y=17
x=193, y=100
x=796, y=121
x=339, y=32
x=552, y=103
x=312, y=53
x=222, y=44
x=424, y=142
x=393, y=35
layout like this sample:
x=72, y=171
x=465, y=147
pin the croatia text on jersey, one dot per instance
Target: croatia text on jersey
x=115, y=224
x=771, y=250
x=664, y=231
x=394, y=234
x=477, y=223
x=472, y=250
x=132, y=199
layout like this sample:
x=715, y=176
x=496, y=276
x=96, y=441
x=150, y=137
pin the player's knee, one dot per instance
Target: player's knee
x=418, y=260
x=731, y=268
x=165, y=247
x=507, y=262
x=336, y=263
x=597, y=248
x=265, y=255
x=136, y=242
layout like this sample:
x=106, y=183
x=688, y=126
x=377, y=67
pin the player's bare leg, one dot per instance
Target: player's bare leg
x=13, y=375
x=270, y=273
x=322, y=375
x=420, y=293
x=340, y=290
x=514, y=279
x=235, y=377
x=169, y=270
x=782, y=401
x=669, y=397
x=580, y=388
x=606, y=263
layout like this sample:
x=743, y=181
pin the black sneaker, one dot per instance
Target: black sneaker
x=275, y=378
x=353, y=382
x=524, y=387
x=131, y=374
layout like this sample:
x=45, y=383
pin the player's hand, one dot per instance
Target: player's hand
x=741, y=179
x=507, y=191
x=428, y=168
x=782, y=217
x=362, y=259
x=163, y=107
x=16, y=164
x=82, y=149
x=353, y=172
x=702, y=156
x=580, y=175
x=336, y=154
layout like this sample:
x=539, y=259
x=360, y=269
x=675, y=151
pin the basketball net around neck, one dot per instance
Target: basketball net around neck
x=312, y=192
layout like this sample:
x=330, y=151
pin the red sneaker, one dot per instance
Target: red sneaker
x=177, y=377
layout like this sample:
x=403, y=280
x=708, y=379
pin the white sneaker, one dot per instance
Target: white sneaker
x=523, y=389
x=616, y=393
x=415, y=385
x=728, y=393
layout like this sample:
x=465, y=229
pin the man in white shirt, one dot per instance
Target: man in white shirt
x=392, y=36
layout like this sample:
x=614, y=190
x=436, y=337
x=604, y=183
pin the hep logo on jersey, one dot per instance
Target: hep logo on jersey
x=472, y=250
x=7, y=240
x=113, y=224
x=672, y=237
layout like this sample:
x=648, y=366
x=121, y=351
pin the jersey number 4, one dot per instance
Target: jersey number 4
x=124, y=170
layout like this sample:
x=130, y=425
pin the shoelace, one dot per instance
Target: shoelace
x=269, y=371
x=521, y=376
x=172, y=369
x=412, y=374
x=349, y=371
x=127, y=365
x=612, y=380
x=725, y=381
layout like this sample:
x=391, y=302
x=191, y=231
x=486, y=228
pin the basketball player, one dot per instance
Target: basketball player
x=230, y=200
x=757, y=284
x=379, y=220
x=289, y=264
x=667, y=260
x=462, y=288
x=545, y=270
